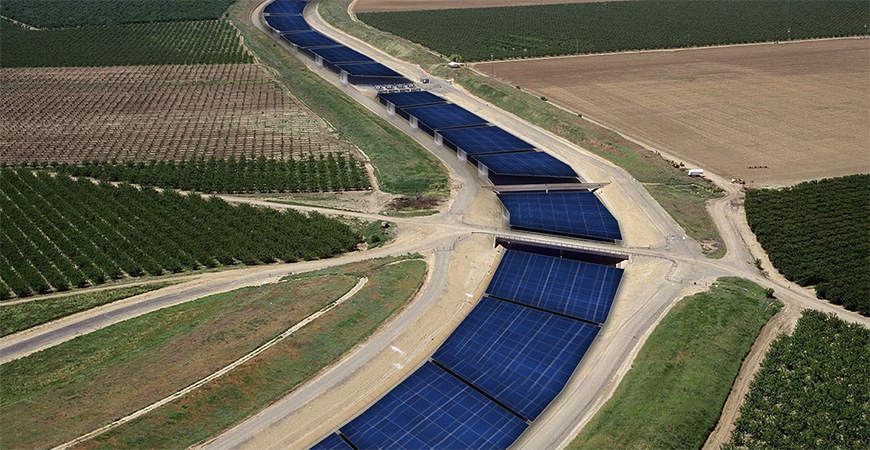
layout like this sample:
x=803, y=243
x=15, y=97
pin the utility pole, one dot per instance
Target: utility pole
x=492, y=65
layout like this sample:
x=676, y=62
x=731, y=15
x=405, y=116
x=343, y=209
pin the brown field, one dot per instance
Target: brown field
x=367, y=6
x=799, y=110
x=142, y=113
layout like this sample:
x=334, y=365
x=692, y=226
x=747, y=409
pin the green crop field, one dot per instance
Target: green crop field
x=534, y=31
x=818, y=234
x=813, y=390
x=75, y=13
x=198, y=42
x=326, y=173
x=59, y=233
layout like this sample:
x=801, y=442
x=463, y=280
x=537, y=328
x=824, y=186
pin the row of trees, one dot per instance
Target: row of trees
x=77, y=13
x=60, y=233
x=257, y=174
x=813, y=390
x=818, y=234
x=547, y=30
x=198, y=42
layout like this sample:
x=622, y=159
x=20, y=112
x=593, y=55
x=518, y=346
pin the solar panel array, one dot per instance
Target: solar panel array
x=579, y=214
x=287, y=24
x=406, y=99
x=340, y=54
x=285, y=7
x=332, y=442
x=437, y=117
x=520, y=356
x=369, y=70
x=576, y=289
x=307, y=39
x=485, y=140
x=540, y=164
x=434, y=409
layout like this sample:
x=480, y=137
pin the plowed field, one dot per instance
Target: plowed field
x=772, y=114
x=144, y=113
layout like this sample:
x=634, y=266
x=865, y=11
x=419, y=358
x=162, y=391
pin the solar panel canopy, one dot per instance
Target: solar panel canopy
x=578, y=214
x=573, y=288
x=520, y=356
x=405, y=99
x=485, y=140
x=540, y=164
x=434, y=409
x=369, y=70
x=445, y=116
x=332, y=442
x=308, y=39
x=285, y=7
x=340, y=54
x=285, y=24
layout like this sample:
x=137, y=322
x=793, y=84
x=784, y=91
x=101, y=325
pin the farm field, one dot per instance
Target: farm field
x=143, y=113
x=812, y=390
x=818, y=234
x=368, y=6
x=55, y=14
x=785, y=108
x=550, y=30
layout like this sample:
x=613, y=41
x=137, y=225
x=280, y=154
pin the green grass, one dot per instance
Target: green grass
x=548, y=30
x=198, y=42
x=244, y=391
x=678, y=384
x=683, y=197
x=402, y=165
x=76, y=13
x=21, y=316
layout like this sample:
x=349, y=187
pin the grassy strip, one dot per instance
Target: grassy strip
x=683, y=197
x=678, y=384
x=21, y=316
x=402, y=166
x=65, y=391
x=229, y=399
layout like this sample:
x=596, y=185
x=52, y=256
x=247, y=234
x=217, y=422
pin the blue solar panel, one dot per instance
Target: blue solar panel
x=434, y=409
x=285, y=7
x=577, y=289
x=342, y=54
x=531, y=164
x=285, y=24
x=308, y=39
x=405, y=99
x=573, y=213
x=448, y=115
x=520, y=356
x=483, y=140
x=332, y=442
x=369, y=70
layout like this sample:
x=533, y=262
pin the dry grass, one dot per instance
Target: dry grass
x=799, y=110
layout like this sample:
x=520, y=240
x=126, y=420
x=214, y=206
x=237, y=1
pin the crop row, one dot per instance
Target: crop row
x=141, y=113
x=548, y=30
x=60, y=233
x=198, y=42
x=818, y=234
x=77, y=13
x=325, y=173
x=813, y=389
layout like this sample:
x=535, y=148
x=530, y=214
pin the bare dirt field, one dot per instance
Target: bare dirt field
x=772, y=114
x=367, y=6
x=142, y=113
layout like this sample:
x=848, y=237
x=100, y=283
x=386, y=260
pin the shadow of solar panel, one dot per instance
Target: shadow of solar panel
x=434, y=409
x=285, y=24
x=573, y=288
x=405, y=99
x=484, y=140
x=530, y=164
x=448, y=115
x=520, y=356
x=308, y=39
x=341, y=54
x=369, y=70
x=578, y=214
x=285, y=7
x=332, y=442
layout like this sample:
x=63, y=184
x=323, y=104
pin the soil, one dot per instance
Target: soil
x=771, y=114
x=364, y=6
